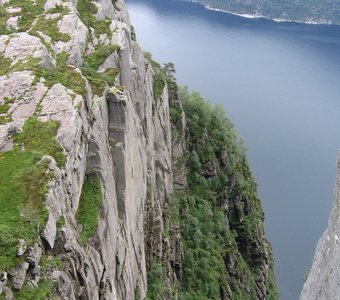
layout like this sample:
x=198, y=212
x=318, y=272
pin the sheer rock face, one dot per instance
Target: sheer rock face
x=125, y=139
x=324, y=276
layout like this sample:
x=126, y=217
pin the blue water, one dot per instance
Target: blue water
x=279, y=84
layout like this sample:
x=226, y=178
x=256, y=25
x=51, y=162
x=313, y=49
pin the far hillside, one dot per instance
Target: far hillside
x=309, y=11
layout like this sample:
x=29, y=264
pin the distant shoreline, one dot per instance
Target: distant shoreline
x=250, y=16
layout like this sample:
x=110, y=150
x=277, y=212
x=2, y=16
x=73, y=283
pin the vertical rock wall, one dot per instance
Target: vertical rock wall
x=122, y=135
x=324, y=276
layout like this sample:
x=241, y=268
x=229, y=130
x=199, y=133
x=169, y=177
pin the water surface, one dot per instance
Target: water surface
x=279, y=84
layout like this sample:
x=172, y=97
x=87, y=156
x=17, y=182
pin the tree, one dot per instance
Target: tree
x=169, y=70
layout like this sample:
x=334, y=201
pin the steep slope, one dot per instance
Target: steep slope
x=226, y=255
x=90, y=162
x=307, y=11
x=56, y=66
x=323, y=279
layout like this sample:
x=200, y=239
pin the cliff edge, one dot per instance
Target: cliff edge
x=324, y=276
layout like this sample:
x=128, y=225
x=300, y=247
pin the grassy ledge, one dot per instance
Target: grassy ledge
x=50, y=28
x=29, y=12
x=91, y=64
x=87, y=12
x=40, y=293
x=63, y=73
x=89, y=204
x=23, y=187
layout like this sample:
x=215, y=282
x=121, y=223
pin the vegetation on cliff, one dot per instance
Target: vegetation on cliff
x=221, y=218
x=225, y=252
x=24, y=176
x=215, y=223
x=89, y=205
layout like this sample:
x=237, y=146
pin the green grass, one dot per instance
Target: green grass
x=50, y=262
x=59, y=9
x=4, y=108
x=29, y=12
x=5, y=105
x=97, y=57
x=66, y=74
x=87, y=12
x=23, y=187
x=89, y=204
x=60, y=222
x=5, y=119
x=3, y=19
x=4, y=65
x=40, y=137
x=40, y=293
x=63, y=73
x=93, y=62
x=50, y=28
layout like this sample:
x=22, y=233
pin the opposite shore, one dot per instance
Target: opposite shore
x=259, y=16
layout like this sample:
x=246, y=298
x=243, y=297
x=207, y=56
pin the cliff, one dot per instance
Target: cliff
x=90, y=164
x=323, y=279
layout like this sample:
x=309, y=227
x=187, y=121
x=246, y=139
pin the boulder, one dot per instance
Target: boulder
x=18, y=275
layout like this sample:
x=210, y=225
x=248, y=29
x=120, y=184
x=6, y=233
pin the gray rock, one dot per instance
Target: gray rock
x=51, y=4
x=3, y=281
x=324, y=276
x=56, y=275
x=72, y=25
x=12, y=23
x=12, y=129
x=34, y=277
x=50, y=230
x=18, y=275
x=15, y=85
x=13, y=10
x=8, y=293
x=123, y=137
x=21, y=247
x=34, y=254
x=24, y=46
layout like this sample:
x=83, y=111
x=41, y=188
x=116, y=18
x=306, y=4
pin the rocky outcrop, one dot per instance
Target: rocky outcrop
x=324, y=276
x=120, y=133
